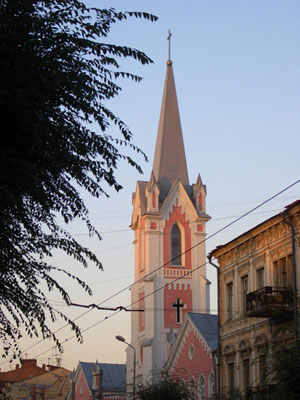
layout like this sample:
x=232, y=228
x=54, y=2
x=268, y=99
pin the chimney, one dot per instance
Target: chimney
x=52, y=367
x=99, y=388
x=28, y=362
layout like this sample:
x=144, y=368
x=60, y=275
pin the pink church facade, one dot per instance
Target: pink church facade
x=193, y=356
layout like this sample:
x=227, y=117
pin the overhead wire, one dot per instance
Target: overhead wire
x=157, y=269
x=163, y=265
x=142, y=229
x=213, y=220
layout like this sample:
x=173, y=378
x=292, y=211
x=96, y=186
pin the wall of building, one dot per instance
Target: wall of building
x=248, y=264
x=82, y=391
x=155, y=290
x=194, y=360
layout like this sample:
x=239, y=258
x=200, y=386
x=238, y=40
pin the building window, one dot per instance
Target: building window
x=283, y=272
x=211, y=385
x=230, y=368
x=229, y=293
x=142, y=248
x=260, y=278
x=191, y=352
x=141, y=355
x=200, y=202
x=192, y=389
x=175, y=245
x=262, y=365
x=246, y=374
x=153, y=199
x=244, y=291
x=201, y=388
x=141, y=314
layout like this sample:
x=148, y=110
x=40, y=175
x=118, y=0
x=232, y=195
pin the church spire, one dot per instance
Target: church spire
x=169, y=158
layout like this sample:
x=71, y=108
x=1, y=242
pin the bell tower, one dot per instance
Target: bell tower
x=168, y=220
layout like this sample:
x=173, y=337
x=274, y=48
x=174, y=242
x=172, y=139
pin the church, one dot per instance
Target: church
x=168, y=220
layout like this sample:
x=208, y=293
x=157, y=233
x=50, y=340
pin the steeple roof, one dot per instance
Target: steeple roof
x=169, y=159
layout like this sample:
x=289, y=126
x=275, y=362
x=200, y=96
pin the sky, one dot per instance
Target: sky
x=236, y=66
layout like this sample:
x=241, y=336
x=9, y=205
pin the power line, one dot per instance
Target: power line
x=184, y=223
x=208, y=237
x=157, y=269
x=197, y=244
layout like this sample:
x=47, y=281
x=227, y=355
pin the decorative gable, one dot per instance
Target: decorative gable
x=82, y=390
x=191, y=357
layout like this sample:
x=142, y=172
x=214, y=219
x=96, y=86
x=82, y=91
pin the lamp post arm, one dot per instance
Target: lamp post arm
x=134, y=367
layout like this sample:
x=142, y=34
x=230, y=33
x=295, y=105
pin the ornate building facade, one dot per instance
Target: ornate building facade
x=257, y=291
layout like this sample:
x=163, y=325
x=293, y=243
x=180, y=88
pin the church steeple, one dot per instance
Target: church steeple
x=168, y=219
x=169, y=157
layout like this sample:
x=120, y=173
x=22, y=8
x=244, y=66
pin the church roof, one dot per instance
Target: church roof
x=114, y=376
x=169, y=159
x=207, y=325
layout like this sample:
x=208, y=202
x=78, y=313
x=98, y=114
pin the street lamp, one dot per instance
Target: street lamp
x=121, y=339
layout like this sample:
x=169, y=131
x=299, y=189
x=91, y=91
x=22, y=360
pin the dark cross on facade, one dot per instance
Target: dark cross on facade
x=169, y=39
x=178, y=306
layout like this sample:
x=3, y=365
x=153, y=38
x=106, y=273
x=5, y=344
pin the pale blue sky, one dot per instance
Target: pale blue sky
x=236, y=66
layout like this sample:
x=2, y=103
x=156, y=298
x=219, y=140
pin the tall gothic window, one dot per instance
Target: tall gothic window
x=211, y=385
x=192, y=389
x=201, y=388
x=175, y=245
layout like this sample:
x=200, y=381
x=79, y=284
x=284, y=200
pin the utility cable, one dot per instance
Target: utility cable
x=197, y=244
x=160, y=267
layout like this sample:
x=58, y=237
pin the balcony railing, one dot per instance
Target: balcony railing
x=270, y=302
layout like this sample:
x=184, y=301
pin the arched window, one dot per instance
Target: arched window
x=211, y=385
x=192, y=389
x=175, y=245
x=201, y=388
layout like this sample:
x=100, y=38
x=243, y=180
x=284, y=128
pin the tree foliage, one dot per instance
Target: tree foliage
x=281, y=382
x=56, y=73
x=164, y=388
x=286, y=374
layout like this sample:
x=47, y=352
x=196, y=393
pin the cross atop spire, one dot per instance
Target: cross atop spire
x=169, y=62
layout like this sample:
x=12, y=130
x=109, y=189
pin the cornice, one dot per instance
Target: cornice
x=268, y=231
x=255, y=246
